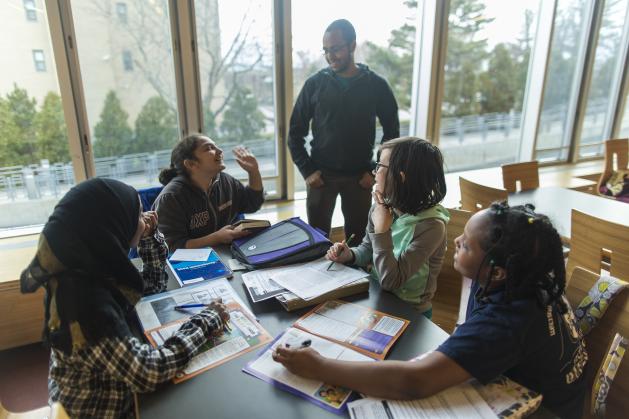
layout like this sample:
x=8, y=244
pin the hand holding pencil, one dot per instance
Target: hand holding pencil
x=215, y=306
x=340, y=252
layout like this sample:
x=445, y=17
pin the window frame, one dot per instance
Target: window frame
x=30, y=10
x=39, y=60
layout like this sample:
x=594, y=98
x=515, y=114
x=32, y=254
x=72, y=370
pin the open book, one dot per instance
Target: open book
x=336, y=330
x=368, y=331
x=160, y=320
x=332, y=398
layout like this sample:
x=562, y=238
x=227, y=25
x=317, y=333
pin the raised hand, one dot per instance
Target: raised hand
x=246, y=159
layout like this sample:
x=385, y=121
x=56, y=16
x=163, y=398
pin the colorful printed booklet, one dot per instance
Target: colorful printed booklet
x=190, y=266
x=368, y=331
x=160, y=321
x=336, y=330
x=332, y=398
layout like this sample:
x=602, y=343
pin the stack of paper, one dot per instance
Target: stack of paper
x=459, y=402
x=306, y=280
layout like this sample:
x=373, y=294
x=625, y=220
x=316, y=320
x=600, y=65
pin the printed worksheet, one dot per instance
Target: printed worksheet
x=329, y=397
x=159, y=309
x=261, y=286
x=459, y=402
x=312, y=279
x=366, y=330
x=241, y=334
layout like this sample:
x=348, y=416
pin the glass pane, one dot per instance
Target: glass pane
x=608, y=52
x=235, y=44
x=624, y=124
x=35, y=166
x=129, y=83
x=563, y=79
x=386, y=47
x=489, y=43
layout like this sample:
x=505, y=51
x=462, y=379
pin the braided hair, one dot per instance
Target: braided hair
x=183, y=150
x=529, y=248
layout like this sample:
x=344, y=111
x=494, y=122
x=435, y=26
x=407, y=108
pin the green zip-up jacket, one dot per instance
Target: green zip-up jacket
x=407, y=258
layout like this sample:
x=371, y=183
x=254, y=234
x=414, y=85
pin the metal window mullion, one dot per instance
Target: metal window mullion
x=186, y=64
x=283, y=91
x=428, y=68
x=64, y=48
x=595, y=18
x=577, y=78
x=616, y=112
x=536, y=80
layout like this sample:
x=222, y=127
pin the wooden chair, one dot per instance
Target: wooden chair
x=41, y=413
x=449, y=295
x=620, y=150
x=475, y=197
x=597, y=244
x=615, y=320
x=527, y=174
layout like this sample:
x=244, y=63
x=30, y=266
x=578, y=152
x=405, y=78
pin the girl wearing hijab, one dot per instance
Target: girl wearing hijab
x=96, y=363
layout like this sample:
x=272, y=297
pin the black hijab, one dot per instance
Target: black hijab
x=82, y=262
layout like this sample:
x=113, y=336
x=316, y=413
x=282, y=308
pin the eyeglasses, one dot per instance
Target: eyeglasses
x=378, y=166
x=334, y=50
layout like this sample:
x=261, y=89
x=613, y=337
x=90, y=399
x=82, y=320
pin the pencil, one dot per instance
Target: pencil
x=351, y=237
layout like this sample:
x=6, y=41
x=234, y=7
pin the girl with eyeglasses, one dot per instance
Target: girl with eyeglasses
x=406, y=234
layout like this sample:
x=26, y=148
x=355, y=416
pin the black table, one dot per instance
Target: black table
x=557, y=203
x=227, y=392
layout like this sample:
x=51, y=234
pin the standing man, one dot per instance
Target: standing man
x=342, y=101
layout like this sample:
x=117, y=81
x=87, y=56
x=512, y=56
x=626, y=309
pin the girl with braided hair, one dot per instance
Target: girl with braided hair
x=518, y=322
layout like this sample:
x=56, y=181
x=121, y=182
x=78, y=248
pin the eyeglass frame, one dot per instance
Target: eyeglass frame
x=334, y=49
x=378, y=166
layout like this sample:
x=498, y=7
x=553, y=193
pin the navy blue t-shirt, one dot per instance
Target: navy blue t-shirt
x=537, y=347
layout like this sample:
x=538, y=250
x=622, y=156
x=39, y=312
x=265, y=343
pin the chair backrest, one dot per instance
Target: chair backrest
x=148, y=196
x=615, y=320
x=475, y=197
x=449, y=283
x=41, y=413
x=526, y=173
x=614, y=150
x=593, y=241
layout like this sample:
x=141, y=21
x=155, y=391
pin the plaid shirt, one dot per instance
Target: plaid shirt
x=99, y=380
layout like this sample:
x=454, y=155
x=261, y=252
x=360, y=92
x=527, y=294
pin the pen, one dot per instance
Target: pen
x=197, y=305
x=306, y=343
x=351, y=237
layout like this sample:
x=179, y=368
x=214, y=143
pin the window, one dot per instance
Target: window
x=386, y=47
x=563, y=80
x=121, y=11
x=486, y=67
x=35, y=164
x=624, y=124
x=598, y=109
x=29, y=8
x=235, y=50
x=132, y=114
x=39, y=60
x=127, y=60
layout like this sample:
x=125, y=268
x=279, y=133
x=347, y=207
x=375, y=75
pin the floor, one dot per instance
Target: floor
x=23, y=381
